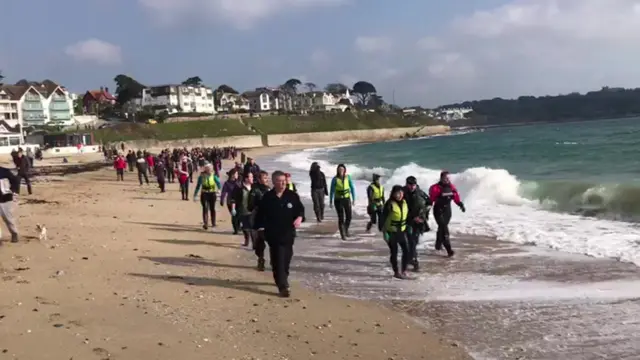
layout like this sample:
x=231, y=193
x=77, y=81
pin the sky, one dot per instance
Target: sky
x=416, y=52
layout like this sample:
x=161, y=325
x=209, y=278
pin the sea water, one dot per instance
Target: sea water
x=562, y=190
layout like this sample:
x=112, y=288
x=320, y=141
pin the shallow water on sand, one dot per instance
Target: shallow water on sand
x=499, y=300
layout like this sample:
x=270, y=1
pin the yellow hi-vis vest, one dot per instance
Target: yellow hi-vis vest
x=397, y=219
x=378, y=194
x=343, y=191
x=209, y=184
x=291, y=186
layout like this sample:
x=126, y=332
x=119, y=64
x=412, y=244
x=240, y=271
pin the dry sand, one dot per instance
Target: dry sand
x=128, y=273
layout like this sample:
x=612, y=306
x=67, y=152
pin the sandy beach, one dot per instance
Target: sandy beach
x=128, y=273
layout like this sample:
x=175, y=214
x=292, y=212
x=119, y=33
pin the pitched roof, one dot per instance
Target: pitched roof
x=101, y=95
x=15, y=91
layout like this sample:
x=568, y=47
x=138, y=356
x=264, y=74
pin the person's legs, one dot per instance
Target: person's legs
x=337, y=203
x=27, y=180
x=412, y=244
x=379, y=217
x=140, y=177
x=205, y=210
x=438, y=216
x=234, y=220
x=316, y=204
x=446, y=217
x=406, y=253
x=393, y=254
x=347, y=215
x=247, y=231
x=146, y=178
x=6, y=212
x=212, y=207
x=259, y=246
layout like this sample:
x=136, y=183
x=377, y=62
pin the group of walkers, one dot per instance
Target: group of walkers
x=402, y=218
x=267, y=210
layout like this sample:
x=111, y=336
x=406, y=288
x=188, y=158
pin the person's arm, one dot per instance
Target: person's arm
x=456, y=198
x=237, y=192
x=370, y=195
x=298, y=208
x=332, y=192
x=225, y=192
x=324, y=181
x=434, y=193
x=385, y=213
x=216, y=179
x=198, y=186
x=352, y=188
x=259, y=218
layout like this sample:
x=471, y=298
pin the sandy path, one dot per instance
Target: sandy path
x=127, y=273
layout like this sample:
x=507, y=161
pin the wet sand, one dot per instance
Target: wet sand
x=501, y=300
x=128, y=273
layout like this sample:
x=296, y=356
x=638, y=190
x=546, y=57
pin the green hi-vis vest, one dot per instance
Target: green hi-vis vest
x=343, y=189
x=378, y=194
x=397, y=219
x=209, y=184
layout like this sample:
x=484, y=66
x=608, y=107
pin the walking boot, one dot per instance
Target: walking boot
x=260, y=264
x=346, y=232
x=342, y=233
x=369, y=224
x=14, y=238
x=416, y=265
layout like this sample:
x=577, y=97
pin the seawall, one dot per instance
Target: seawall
x=245, y=142
x=300, y=139
x=352, y=136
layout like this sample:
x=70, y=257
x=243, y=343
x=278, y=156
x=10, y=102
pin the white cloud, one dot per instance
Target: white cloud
x=526, y=47
x=242, y=14
x=373, y=44
x=96, y=51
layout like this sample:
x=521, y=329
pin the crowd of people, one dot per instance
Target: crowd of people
x=266, y=210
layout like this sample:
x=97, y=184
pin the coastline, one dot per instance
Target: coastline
x=501, y=300
x=128, y=272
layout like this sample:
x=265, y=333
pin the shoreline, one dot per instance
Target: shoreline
x=501, y=300
x=127, y=272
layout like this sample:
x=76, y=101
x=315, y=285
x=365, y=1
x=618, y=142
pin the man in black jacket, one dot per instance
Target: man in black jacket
x=279, y=214
x=319, y=190
x=252, y=167
x=9, y=185
x=24, y=165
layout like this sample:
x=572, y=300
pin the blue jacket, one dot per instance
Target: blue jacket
x=352, y=188
x=199, y=185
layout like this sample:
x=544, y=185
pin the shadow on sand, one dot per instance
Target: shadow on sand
x=248, y=286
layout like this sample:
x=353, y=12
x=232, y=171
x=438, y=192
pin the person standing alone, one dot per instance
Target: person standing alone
x=279, y=214
x=318, y=190
x=24, y=166
x=441, y=194
x=342, y=196
x=120, y=165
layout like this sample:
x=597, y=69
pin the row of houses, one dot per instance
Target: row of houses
x=202, y=99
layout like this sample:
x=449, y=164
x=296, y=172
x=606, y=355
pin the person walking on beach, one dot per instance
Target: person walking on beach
x=141, y=166
x=161, y=171
x=375, y=197
x=120, y=165
x=290, y=184
x=228, y=189
x=342, y=195
x=9, y=188
x=240, y=207
x=24, y=167
x=279, y=214
x=441, y=195
x=394, y=216
x=418, y=219
x=183, y=178
x=253, y=168
x=318, y=190
x=131, y=160
x=257, y=193
x=210, y=184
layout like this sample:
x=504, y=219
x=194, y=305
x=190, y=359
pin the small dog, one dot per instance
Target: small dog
x=42, y=230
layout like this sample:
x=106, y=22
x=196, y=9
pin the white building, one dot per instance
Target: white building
x=45, y=103
x=10, y=118
x=324, y=101
x=452, y=114
x=177, y=99
x=233, y=102
x=265, y=99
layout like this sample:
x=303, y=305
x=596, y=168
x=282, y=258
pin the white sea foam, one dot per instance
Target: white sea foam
x=494, y=208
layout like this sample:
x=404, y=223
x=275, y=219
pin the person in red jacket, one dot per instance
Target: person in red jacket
x=182, y=172
x=441, y=195
x=120, y=164
x=151, y=163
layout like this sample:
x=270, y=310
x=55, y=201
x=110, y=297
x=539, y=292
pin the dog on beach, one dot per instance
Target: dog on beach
x=42, y=232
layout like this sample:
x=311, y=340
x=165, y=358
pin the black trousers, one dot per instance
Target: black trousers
x=317, y=195
x=281, y=253
x=184, y=190
x=399, y=240
x=161, y=183
x=343, y=208
x=374, y=218
x=142, y=174
x=235, y=220
x=259, y=244
x=131, y=164
x=208, y=202
x=27, y=181
x=120, y=174
x=171, y=176
x=442, y=216
x=413, y=238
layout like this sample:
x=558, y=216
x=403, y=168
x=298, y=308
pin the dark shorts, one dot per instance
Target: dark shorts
x=246, y=222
